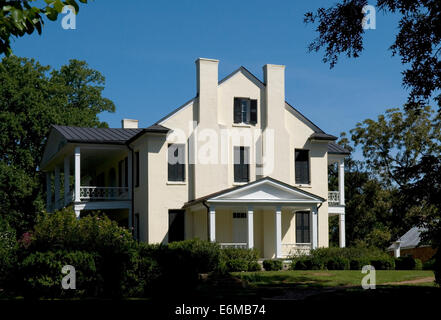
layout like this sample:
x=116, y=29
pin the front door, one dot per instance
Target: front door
x=239, y=227
x=176, y=225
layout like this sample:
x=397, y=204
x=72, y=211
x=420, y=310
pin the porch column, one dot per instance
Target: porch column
x=57, y=188
x=77, y=213
x=212, y=224
x=397, y=245
x=278, y=233
x=77, y=173
x=250, y=221
x=314, y=223
x=341, y=181
x=48, y=191
x=342, y=231
x=66, y=180
x=129, y=182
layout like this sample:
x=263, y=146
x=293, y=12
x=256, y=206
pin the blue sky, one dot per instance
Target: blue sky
x=147, y=49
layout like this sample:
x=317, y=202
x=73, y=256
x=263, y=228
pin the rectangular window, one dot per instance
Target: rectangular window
x=136, y=169
x=126, y=172
x=302, y=166
x=245, y=111
x=120, y=173
x=241, y=164
x=176, y=225
x=302, y=227
x=176, y=162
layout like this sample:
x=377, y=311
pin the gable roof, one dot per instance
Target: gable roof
x=223, y=195
x=318, y=134
x=104, y=135
x=411, y=239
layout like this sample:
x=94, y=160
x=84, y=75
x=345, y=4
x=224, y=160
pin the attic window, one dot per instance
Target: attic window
x=245, y=111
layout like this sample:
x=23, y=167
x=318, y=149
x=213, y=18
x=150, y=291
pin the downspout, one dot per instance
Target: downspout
x=204, y=203
x=133, y=192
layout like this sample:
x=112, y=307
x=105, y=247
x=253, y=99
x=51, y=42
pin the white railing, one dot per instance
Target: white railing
x=295, y=249
x=240, y=245
x=334, y=198
x=104, y=193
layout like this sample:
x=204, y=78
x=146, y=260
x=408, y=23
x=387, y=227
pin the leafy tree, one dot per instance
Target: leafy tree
x=18, y=18
x=32, y=98
x=418, y=41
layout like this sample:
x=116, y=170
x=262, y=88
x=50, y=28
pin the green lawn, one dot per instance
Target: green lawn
x=325, y=278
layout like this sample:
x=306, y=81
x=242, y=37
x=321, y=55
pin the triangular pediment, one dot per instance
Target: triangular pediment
x=267, y=190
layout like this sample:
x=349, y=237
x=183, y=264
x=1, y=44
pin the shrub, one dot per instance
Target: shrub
x=385, y=263
x=8, y=253
x=407, y=263
x=429, y=264
x=308, y=263
x=254, y=266
x=273, y=265
x=237, y=259
x=42, y=276
x=337, y=263
x=358, y=263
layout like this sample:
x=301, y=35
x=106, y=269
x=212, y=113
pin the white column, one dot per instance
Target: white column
x=129, y=181
x=278, y=233
x=77, y=173
x=66, y=180
x=212, y=224
x=314, y=229
x=250, y=222
x=77, y=213
x=342, y=231
x=341, y=181
x=48, y=191
x=57, y=188
x=397, y=250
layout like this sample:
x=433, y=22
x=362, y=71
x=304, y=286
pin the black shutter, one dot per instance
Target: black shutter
x=236, y=164
x=180, y=165
x=302, y=166
x=120, y=174
x=253, y=111
x=245, y=165
x=126, y=171
x=171, y=165
x=237, y=111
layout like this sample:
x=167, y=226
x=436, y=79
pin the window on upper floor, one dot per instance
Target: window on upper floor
x=245, y=111
x=302, y=227
x=123, y=173
x=176, y=162
x=241, y=164
x=302, y=166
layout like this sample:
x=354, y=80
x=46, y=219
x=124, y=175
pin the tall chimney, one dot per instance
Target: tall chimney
x=129, y=124
x=206, y=84
x=274, y=77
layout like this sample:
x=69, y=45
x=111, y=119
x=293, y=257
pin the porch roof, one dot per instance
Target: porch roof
x=261, y=191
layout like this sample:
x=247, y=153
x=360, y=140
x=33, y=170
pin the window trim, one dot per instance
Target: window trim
x=184, y=178
x=309, y=167
x=241, y=181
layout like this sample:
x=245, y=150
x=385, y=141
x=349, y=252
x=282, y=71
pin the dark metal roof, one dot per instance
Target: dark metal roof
x=322, y=136
x=334, y=148
x=105, y=135
x=218, y=193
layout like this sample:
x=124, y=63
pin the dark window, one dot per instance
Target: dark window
x=241, y=164
x=137, y=169
x=239, y=215
x=245, y=111
x=176, y=225
x=120, y=173
x=302, y=227
x=176, y=162
x=302, y=166
x=126, y=172
x=100, y=180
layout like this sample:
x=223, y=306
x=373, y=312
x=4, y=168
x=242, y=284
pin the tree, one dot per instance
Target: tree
x=18, y=18
x=418, y=41
x=32, y=98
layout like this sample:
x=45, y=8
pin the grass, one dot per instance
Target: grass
x=325, y=278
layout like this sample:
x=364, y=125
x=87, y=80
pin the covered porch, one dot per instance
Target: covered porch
x=277, y=219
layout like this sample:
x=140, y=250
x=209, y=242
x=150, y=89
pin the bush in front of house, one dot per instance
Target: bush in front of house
x=337, y=263
x=383, y=263
x=8, y=253
x=41, y=274
x=429, y=264
x=237, y=259
x=273, y=265
x=408, y=263
x=341, y=259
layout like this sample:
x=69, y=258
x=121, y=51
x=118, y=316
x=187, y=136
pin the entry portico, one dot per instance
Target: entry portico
x=275, y=204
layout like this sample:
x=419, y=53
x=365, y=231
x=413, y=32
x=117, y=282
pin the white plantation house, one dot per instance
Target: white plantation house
x=236, y=164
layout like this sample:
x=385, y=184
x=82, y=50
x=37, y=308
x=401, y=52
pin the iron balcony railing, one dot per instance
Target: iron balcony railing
x=334, y=198
x=104, y=193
